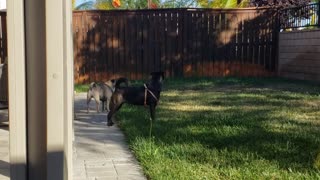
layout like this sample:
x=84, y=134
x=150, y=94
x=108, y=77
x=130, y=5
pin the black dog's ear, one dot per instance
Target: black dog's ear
x=150, y=76
x=157, y=75
x=162, y=74
x=113, y=80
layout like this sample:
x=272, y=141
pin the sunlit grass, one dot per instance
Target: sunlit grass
x=229, y=128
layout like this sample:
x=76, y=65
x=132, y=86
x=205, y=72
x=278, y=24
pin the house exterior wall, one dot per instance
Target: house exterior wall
x=299, y=55
x=41, y=89
x=17, y=85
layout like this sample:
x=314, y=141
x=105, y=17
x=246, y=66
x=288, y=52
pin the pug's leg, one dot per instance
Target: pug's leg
x=97, y=99
x=108, y=102
x=88, y=101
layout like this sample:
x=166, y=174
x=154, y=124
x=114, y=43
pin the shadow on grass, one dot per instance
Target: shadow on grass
x=265, y=124
x=289, y=148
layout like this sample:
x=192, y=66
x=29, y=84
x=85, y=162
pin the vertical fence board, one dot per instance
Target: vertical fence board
x=115, y=44
x=121, y=65
x=179, y=72
x=163, y=41
x=256, y=43
x=167, y=46
x=139, y=60
x=191, y=41
x=157, y=52
x=104, y=47
x=145, y=34
x=3, y=48
x=185, y=55
x=210, y=44
x=109, y=70
x=174, y=41
x=97, y=48
x=151, y=42
x=133, y=45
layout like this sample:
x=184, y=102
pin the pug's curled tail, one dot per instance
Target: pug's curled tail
x=92, y=85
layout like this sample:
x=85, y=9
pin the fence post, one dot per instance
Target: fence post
x=318, y=13
x=185, y=42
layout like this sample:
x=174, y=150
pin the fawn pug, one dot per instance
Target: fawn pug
x=101, y=92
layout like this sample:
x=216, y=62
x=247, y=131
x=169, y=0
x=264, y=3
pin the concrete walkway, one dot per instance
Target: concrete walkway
x=4, y=145
x=100, y=152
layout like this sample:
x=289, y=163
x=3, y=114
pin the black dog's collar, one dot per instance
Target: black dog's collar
x=145, y=94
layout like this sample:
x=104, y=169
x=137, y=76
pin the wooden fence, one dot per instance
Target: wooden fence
x=3, y=56
x=3, y=36
x=3, y=82
x=181, y=42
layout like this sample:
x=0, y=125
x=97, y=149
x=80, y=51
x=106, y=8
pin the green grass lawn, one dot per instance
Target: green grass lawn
x=229, y=128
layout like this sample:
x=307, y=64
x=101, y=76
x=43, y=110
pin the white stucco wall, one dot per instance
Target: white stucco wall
x=299, y=53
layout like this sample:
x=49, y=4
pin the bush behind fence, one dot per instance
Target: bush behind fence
x=304, y=17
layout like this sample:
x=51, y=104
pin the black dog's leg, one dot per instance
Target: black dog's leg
x=113, y=109
x=110, y=114
x=108, y=105
x=88, y=101
x=152, y=111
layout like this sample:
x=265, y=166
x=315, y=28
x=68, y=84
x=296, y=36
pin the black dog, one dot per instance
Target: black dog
x=147, y=95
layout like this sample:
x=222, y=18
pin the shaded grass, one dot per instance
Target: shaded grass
x=229, y=129
x=81, y=88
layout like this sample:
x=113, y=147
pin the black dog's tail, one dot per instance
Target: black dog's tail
x=120, y=81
